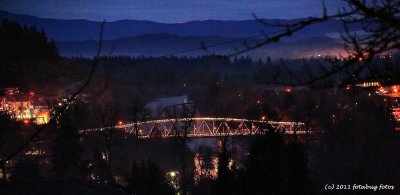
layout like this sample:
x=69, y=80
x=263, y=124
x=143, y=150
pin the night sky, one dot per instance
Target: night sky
x=169, y=11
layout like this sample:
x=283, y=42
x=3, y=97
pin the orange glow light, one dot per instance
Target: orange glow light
x=120, y=123
x=395, y=88
x=26, y=121
x=288, y=90
x=43, y=118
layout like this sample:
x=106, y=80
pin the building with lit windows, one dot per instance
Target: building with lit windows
x=24, y=106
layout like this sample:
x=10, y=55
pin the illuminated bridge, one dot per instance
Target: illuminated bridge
x=198, y=127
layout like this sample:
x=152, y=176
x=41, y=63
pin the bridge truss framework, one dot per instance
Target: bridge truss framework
x=198, y=127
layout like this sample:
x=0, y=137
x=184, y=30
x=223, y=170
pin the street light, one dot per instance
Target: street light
x=172, y=174
x=120, y=123
x=173, y=177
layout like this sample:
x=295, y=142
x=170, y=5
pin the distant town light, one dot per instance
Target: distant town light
x=288, y=90
x=368, y=84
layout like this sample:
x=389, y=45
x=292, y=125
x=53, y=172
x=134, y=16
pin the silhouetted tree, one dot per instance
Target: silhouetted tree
x=27, y=170
x=274, y=167
x=224, y=183
x=66, y=149
x=360, y=146
x=24, y=51
x=205, y=159
x=10, y=139
x=147, y=179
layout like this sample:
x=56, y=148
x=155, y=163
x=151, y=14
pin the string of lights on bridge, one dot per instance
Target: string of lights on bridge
x=219, y=127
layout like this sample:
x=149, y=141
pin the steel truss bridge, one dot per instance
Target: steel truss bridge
x=198, y=127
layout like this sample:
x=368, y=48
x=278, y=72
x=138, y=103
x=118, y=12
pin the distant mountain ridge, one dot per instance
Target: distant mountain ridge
x=167, y=44
x=79, y=30
x=146, y=45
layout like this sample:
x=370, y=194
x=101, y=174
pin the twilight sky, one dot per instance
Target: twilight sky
x=169, y=11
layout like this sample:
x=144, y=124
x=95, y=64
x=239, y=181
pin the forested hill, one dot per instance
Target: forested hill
x=22, y=42
x=24, y=53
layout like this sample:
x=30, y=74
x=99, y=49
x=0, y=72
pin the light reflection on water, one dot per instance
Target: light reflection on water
x=208, y=168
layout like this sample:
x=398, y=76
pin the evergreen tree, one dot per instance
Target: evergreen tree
x=27, y=170
x=225, y=180
x=66, y=149
x=23, y=52
x=147, y=179
x=275, y=167
x=10, y=139
x=359, y=147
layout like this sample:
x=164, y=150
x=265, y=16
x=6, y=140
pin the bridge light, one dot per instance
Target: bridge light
x=263, y=117
x=120, y=122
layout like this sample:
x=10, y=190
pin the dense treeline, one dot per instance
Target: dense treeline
x=25, y=43
x=28, y=58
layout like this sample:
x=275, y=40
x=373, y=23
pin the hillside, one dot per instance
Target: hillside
x=78, y=30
